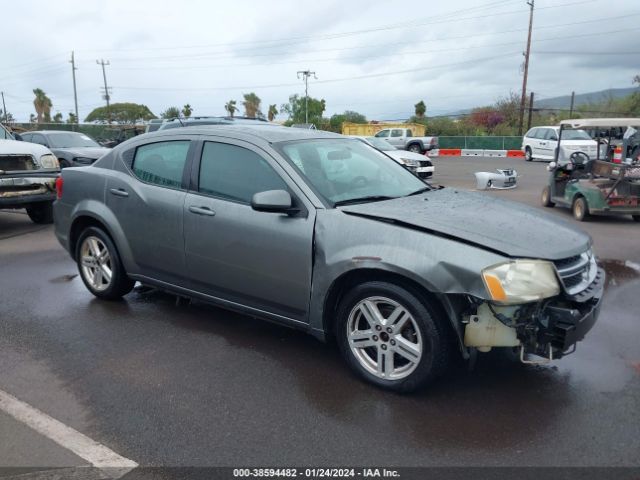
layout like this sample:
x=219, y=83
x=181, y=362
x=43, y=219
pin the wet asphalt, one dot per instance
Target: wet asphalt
x=194, y=385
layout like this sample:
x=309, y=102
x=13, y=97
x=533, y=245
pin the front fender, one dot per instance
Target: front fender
x=344, y=243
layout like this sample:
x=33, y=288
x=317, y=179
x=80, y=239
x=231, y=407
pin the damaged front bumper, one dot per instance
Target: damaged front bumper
x=550, y=329
x=19, y=189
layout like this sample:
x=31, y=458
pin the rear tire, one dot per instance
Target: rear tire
x=580, y=209
x=415, y=148
x=100, y=266
x=546, y=198
x=528, y=154
x=402, y=354
x=41, y=213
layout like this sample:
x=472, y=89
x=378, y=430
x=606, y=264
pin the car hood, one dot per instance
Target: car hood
x=398, y=154
x=88, y=152
x=502, y=226
x=16, y=147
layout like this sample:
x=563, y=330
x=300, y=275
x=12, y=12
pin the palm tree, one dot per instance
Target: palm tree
x=187, y=110
x=421, y=109
x=251, y=105
x=273, y=111
x=171, y=112
x=42, y=104
x=230, y=107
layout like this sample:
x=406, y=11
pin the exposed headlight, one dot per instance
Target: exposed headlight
x=521, y=281
x=410, y=162
x=49, y=161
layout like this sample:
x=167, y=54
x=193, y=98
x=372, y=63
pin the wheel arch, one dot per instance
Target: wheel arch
x=89, y=218
x=443, y=304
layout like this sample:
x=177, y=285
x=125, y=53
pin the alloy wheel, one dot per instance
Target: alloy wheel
x=95, y=261
x=384, y=338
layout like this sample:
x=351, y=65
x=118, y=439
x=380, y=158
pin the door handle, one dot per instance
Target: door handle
x=119, y=192
x=202, y=211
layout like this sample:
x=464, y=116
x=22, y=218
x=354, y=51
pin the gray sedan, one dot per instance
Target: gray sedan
x=327, y=234
x=73, y=149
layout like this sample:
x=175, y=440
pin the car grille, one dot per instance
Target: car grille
x=10, y=163
x=426, y=163
x=577, y=272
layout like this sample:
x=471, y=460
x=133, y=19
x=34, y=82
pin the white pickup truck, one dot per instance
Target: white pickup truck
x=403, y=138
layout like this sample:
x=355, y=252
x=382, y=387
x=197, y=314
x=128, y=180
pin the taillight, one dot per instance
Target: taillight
x=59, y=183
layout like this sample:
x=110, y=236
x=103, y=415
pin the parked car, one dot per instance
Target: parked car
x=121, y=133
x=540, y=143
x=27, y=177
x=154, y=124
x=72, y=149
x=420, y=165
x=325, y=233
x=200, y=121
x=403, y=138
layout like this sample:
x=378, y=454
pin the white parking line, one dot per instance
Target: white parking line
x=93, y=452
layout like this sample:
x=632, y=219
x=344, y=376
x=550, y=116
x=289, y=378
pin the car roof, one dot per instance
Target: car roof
x=601, y=122
x=267, y=132
x=49, y=132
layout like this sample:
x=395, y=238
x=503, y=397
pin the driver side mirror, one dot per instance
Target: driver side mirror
x=553, y=138
x=274, y=201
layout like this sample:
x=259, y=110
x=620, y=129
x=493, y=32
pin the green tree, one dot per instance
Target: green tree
x=57, y=118
x=444, y=126
x=251, y=105
x=295, y=110
x=8, y=117
x=171, y=112
x=43, y=105
x=72, y=118
x=121, y=113
x=187, y=111
x=231, y=108
x=336, y=120
x=273, y=111
x=420, y=109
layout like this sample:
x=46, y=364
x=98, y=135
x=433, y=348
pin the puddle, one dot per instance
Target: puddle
x=64, y=278
x=620, y=271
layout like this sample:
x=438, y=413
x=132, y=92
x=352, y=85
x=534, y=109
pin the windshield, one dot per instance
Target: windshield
x=380, y=144
x=575, y=135
x=68, y=140
x=343, y=170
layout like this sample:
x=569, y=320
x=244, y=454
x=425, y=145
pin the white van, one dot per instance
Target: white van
x=541, y=142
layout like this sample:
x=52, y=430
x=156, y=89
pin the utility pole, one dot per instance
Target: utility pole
x=573, y=97
x=75, y=92
x=523, y=98
x=306, y=74
x=530, y=111
x=106, y=89
x=4, y=108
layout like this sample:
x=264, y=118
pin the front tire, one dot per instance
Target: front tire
x=546, y=198
x=41, y=213
x=580, y=209
x=100, y=266
x=391, y=337
x=528, y=154
x=64, y=163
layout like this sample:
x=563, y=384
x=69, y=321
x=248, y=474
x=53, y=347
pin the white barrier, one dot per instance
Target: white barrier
x=495, y=153
x=467, y=152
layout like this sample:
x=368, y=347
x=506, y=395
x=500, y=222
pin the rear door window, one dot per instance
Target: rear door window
x=396, y=132
x=161, y=163
x=235, y=173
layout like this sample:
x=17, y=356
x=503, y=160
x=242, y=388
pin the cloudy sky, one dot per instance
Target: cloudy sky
x=376, y=57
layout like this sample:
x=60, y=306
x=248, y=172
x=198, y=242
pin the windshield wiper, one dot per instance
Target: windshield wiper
x=369, y=198
x=422, y=190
